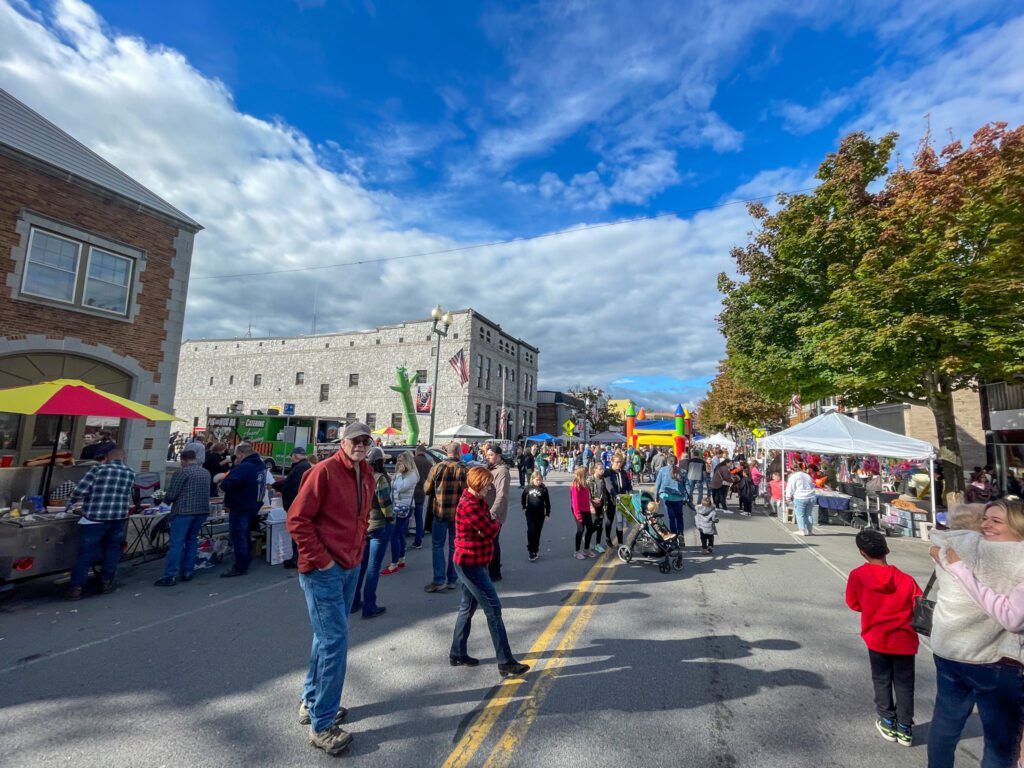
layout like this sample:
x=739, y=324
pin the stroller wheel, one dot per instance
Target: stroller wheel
x=677, y=562
x=664, y=567
x=625, y=554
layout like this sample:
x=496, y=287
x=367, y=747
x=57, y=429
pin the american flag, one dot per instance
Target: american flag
x=461, y=366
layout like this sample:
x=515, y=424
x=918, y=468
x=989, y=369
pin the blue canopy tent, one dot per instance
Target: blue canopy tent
x=543, y=437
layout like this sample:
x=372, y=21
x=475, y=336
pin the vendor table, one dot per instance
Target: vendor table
x=832, y=500
x=137, y=537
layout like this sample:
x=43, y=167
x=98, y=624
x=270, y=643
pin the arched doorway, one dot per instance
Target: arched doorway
x=27, y=437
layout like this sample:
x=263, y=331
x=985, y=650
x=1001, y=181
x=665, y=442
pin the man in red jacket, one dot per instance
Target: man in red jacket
x=328, y=522
x=884, y=595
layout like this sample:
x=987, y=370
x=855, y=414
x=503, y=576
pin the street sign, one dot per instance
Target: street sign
x=568, y=426
x=289, y=409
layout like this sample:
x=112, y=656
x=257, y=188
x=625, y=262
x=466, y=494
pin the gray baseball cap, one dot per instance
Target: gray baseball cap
x=356, y=429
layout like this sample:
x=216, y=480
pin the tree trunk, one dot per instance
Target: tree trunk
x=940, y=400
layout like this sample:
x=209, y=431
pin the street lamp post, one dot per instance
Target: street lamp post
x=443, y=318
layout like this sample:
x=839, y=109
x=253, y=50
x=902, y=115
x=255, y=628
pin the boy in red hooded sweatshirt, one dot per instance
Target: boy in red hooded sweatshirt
x=884, y=596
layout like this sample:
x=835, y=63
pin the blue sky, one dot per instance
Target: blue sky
x=314, y=132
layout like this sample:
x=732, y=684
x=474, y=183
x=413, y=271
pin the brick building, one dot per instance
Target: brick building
x=348, y=375
x=94, y=272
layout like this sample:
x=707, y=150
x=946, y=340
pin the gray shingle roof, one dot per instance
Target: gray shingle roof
x=32, y=134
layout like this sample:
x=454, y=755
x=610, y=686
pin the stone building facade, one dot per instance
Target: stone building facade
x=349, y=375
x=94, y=273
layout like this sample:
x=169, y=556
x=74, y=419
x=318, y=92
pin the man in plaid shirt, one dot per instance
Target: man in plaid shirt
x=444, y=486
x=189, y=494
x=106, y=493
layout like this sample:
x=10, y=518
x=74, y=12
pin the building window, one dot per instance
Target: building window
x=371, y=420
x=479, y=371
x=476, y=415
x=231, y=379
x=487, y=418
x=51, y=270
x=108, y=282
x=351, y=343
x=257, y=380
x=487, y=374
x=300, y=377
x=325, y=393
x=327, y=345
x=481, y=333
x=350, y=417
x=211, y=381
x=455, y=335
x=353, y=379
x=512, y=376
x=421, y=376
x=400, y=339
x=396, y=420
x=378, y=341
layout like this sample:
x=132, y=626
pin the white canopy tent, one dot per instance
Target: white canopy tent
x=462, y=431
x=836, y=433
x=717, y=440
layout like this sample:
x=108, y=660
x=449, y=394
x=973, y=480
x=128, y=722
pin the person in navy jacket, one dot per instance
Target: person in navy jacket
x=244, y=488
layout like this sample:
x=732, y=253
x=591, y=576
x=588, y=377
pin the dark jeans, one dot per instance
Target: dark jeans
x=417, y=512
x=369, y=572
x=444, y=569
x=98, y=541
x=707, y=539
x=494, y=567
x=477, y=590
x=534, y=525
x=398, y=535
x=239, y=528
x=675, y=515
x=609, y=520
x=691, y=486
x=893, y=672
x=524, y=475
x=719, y=496
x=998, y=690
x=746, y=505
x=598, y=521
x=183, y=544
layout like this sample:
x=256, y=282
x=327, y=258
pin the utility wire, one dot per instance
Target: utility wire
x=495, y=243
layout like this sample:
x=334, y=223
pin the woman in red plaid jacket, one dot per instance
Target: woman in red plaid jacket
x=475, y=530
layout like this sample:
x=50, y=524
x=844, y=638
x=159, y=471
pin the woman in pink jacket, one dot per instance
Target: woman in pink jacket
x=580, y=495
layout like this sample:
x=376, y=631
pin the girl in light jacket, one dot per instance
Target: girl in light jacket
x=403, y=488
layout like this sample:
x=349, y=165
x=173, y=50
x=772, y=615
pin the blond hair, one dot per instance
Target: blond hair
x=1013, y=508
x=579, y=478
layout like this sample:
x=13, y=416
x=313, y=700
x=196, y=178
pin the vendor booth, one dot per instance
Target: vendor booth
x=834, y=433
x=717, y=440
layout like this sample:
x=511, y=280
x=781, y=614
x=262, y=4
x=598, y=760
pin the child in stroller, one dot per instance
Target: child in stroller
x=648, y=540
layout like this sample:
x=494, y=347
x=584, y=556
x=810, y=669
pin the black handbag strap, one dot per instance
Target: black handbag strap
x=931, y=583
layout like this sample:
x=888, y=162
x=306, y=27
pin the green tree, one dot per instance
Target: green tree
x=901, y=295
x=595, y=410
x=731, y=405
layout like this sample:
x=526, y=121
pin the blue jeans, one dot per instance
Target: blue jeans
x=675, y=515
x=239, y=529
x=477, y=590
x=401, y=528
x=443, y=532
x=98, y=541
x=184, y=541
x=695, y=485
x=369, y=572
x=803, y=510
x=998, y=690
x=328, y=598
x=417, y=511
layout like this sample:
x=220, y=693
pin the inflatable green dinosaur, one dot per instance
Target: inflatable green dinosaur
x=404, y=388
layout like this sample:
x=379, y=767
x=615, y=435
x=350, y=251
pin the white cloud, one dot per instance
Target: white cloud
x=269, y=199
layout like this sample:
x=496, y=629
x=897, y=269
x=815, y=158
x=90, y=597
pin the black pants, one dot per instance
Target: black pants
x=707, y=540
x=523, y=476
x=746, y=505
x=893, y=672
x=718, y=496
x=586, y=525
x=597, y=520
x=534, y=525
x=494, y=567
x=609, y=519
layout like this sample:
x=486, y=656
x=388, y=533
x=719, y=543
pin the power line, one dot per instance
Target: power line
x=495, y=243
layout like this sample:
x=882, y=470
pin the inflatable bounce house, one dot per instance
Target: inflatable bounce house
x=672, y=432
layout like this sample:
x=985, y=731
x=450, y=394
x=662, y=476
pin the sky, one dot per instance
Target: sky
x=614, y=142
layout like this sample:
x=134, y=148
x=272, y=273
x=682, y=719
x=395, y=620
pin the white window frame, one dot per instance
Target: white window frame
x=131, y=278
x=28, y=264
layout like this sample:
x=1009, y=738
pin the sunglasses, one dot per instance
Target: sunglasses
x=361, y=440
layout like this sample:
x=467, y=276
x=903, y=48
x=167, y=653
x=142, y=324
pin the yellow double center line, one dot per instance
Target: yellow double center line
x=588, y=592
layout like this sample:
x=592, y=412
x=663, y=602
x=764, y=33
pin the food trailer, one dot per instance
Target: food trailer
x=274, y=437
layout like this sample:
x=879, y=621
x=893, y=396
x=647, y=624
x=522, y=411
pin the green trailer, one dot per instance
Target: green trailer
x=272, y=437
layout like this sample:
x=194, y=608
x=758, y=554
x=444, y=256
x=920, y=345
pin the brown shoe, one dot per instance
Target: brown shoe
x=434, y=587
x=305, y=720
x=73, y=593
x=333, y=741
x=107, y=587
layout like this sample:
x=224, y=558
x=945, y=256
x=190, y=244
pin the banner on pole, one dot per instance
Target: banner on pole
x=424, y=398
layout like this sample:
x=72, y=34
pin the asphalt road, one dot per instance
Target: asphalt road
x=746, y=658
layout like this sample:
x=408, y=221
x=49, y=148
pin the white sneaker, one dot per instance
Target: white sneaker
x=800, y=532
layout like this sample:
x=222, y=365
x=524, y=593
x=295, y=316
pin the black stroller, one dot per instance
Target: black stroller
x=645, y=542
